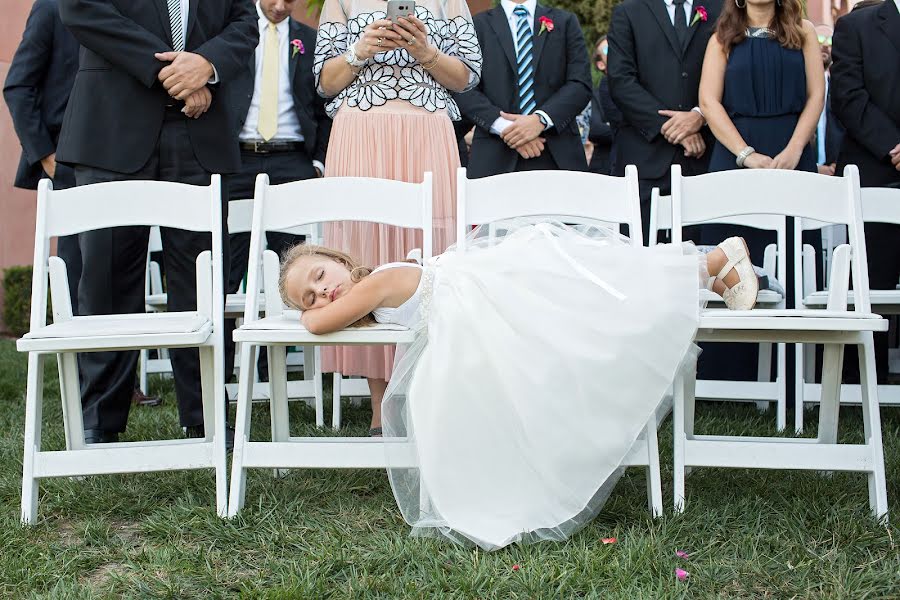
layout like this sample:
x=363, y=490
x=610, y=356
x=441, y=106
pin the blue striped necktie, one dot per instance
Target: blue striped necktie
x=177, y=25
x=524, y=61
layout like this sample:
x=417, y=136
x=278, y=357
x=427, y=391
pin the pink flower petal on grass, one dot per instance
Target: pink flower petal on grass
x=681, y=574
x=609, y=540
x=516, y=567
x=682, y=554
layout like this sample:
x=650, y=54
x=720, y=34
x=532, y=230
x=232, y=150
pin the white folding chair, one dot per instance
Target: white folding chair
x=290, y=205
x=763, y=391
x=240, y=219
x=804, y=195
x=879, y=205
x=85, y=208
x=588, y=199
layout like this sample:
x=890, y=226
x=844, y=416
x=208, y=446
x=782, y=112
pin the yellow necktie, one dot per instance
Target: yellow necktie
x=268, y=101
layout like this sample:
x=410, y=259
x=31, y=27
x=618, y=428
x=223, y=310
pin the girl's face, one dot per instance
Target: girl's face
x=316, y=281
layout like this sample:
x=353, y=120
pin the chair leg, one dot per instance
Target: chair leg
x=679, y=435
x=278, y=404
x=145, y=358
x=70, y=392
x=336, y=401
x=34, y=397
x=317, y=385
x=242, y=430
x=654, y=480
x=212, y=384
x=872, y=426
x=829, y=404
x=800, y=375
x=781, y=383
x=763, y=371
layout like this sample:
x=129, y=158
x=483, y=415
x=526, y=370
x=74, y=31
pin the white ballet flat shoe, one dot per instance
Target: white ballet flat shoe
x=743, y=295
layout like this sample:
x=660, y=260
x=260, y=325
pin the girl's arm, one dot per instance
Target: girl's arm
x=363, y=298
x=815, y=102
x=712, y=85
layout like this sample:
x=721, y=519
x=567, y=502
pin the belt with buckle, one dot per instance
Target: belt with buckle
x=267, y=147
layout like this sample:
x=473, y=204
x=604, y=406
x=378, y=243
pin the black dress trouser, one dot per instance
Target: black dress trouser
x=113, y=277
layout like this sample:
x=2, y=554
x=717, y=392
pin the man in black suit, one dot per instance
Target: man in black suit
x=865, y=96
x=656, y=50
x=282, y=127
x=37, y=88
x=534, y=82
x=148, y=103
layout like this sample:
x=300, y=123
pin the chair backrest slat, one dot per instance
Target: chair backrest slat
x=568, y=196
x=121, y=203
x=313, y=201
x=777, y=192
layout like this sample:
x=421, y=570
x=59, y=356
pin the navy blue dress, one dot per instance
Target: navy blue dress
x=764, y=94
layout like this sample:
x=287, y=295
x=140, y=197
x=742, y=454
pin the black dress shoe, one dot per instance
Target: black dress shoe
x=99, y=436
x=198, y=431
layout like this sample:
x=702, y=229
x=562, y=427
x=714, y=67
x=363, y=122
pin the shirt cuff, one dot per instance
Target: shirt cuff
x=697, y=110
x=215, y=75
x=317, y=164
x=546, y=118
x=500, y=125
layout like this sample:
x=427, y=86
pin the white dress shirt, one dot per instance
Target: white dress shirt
x=688, y=7
x=897, y=4
x=289, y=129
x=508, y=6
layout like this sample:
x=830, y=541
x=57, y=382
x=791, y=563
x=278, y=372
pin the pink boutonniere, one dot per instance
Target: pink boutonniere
x=546, y=24
x=700, y=14
x=297, y=47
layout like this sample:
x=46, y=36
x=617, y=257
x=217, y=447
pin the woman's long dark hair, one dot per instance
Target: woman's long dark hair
x=731, y=28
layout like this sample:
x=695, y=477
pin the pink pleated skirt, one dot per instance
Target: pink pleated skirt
x=396, y=141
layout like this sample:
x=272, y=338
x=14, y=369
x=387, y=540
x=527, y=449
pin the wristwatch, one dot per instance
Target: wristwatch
x=352, y=59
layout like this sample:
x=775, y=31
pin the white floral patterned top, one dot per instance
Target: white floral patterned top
x=394, y=74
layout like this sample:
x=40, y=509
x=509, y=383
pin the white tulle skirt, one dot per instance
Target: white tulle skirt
x=541, y=354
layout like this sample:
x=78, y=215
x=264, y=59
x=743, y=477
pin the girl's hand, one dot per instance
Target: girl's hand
x=415, y=38
x=758, y=161
x=787, y=158
x=377, y=37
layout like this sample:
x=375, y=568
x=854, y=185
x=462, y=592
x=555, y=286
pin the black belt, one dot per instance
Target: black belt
x=268, y=147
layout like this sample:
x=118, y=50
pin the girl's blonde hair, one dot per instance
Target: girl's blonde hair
x=357, y=271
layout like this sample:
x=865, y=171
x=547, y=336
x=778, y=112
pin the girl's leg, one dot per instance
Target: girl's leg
x=715, y=262
x=377, y=388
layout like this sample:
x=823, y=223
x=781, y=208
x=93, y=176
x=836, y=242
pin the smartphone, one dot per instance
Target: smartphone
x=400, y=8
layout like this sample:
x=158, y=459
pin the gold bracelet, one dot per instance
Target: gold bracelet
x=433, y=61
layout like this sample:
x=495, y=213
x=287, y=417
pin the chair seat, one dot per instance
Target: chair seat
x=790, y=320
x=287, y=329
x=116, y=332
x=884, y=301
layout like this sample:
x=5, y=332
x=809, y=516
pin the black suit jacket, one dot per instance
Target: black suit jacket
x=649, y=71
x=37, y=87
x=309, y=106
x=117, y=106
x=865, y=90
x=562, y=88
x=834, y=132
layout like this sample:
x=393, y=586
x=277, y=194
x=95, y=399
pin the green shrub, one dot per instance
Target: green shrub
x=17, y=299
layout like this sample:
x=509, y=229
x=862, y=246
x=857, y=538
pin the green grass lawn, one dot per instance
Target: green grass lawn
x=338, y=534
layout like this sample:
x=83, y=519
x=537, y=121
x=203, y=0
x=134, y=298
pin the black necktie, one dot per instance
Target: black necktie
x=681, y=26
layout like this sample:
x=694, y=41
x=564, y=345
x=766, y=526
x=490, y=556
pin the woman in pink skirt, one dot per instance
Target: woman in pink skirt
x=391, y=85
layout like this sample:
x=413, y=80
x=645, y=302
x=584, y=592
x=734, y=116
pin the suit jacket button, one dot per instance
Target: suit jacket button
x=680, y=107
x=684, y=75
